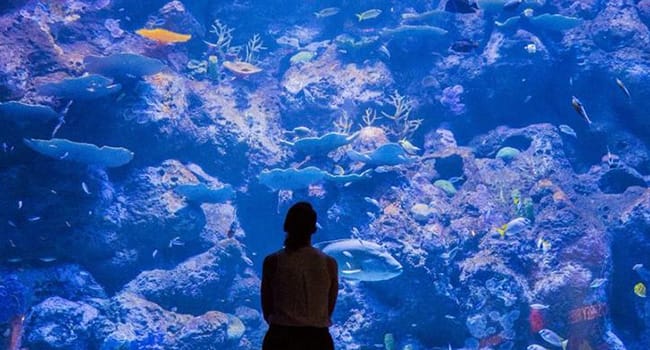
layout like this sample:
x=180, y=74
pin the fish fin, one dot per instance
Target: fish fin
x=565, y=342
x=350, y=272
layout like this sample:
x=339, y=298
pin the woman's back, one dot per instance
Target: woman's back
x=301, y=281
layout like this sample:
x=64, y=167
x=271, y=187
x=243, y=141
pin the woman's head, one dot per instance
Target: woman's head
x=299, y=224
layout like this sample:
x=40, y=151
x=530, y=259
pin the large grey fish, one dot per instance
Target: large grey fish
x=361, y=260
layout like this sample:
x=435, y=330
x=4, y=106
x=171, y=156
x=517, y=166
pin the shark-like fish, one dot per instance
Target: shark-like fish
x=361, y=260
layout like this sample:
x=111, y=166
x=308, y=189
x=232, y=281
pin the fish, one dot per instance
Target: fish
x=163, y=36
x=47, y=259
x=535, y=347
x=338, y=170
x=84, y=187
x=11, y=223
x=327, y=12
x=538, y=306
x=512, y=5
x=514, y=226
x=597, y=282
x=640, y=290
x=623, y=88
x=408, y=146
x=450, y=254
x=531, y=49
x=302, y=130
x=372, y=201
x=370, y=14
x=155, y=252
x=637, y=266
x=384, y=50
x=176, y=241
x=553, y=338
x=361, y=260
x=580, y=109
x=33, y=218
x=543, y=244
x=568, y=130
x=461, y=6
x=20, y=204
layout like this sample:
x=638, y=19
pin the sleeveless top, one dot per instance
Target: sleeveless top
x=301, y=284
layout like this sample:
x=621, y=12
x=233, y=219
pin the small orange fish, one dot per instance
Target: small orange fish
x=163, y=36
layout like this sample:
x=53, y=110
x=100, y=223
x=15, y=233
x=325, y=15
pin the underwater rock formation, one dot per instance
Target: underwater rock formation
x=448, y=143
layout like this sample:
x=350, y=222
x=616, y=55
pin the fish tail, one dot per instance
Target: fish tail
x=501, y=232
x=359, y=16
x=565, y=342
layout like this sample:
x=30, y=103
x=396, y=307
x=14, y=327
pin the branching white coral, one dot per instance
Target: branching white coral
x=254, y=46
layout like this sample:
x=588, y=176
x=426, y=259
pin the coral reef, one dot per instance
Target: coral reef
x=446, y=141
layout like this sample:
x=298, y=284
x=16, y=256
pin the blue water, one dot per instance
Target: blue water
x=496, y=151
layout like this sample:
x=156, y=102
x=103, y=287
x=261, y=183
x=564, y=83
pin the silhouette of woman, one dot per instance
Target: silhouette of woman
x=299, y=288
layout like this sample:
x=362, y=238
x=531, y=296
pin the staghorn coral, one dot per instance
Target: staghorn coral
x=369, y=117
x=343, y=124
x=403, y=127
x=253, y=47
x=224, y=40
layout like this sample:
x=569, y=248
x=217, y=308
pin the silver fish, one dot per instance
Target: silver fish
x=176, y=241
x=370, y=14
x=34, y=218
x=535, y=347
x=597, y=282
x=384, y=50
x=580, y=109
x=568, y=130
x=20, y=204
x=84, y=187
x=372, y=201
x=538, y=306
x=623, y=87
x=155, y=252
x=553, y=338
x=517, y=225
x=330, y=11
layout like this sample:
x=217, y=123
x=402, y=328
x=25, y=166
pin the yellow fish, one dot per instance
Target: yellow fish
x=639, y=289
x=163, y=36
x=502, y=230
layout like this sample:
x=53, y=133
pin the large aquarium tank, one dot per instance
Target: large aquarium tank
x=480, y=170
